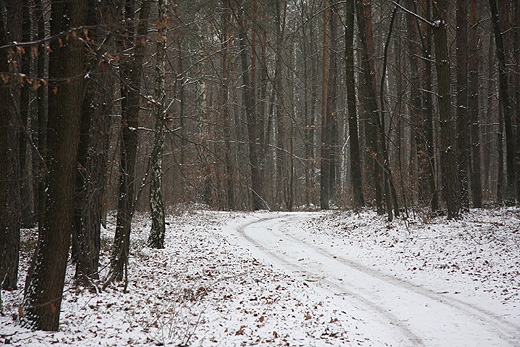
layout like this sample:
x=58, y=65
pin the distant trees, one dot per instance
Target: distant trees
x=243, y=104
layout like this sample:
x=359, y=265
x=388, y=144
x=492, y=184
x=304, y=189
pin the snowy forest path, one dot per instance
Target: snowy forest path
x=401, y=312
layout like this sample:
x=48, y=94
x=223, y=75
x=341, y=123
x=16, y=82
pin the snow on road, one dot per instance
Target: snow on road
x=400, y=311
x=299, y=279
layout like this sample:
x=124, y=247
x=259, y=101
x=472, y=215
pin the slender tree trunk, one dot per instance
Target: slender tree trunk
x=4, y=143
x=43, y=296
x=505, y=101
x=42, y=114
x=450, y=181
x=325, y=132
x=355, y=159
x=282, y=160
x=390, y=192
x=224, y=99
x=26, y=191
x=259, y=202
x=157, y=233
x=370, y=100
x=463, y=128
x=428, y=110
x=473, y=109
x=516, y=89
x=131, y=70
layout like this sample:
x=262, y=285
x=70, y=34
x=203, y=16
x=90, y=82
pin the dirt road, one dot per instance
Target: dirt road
x=398, y=311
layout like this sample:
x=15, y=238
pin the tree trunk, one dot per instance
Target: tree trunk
x=26, y=191
x=369, y=100
x=325, y=119
x=473, y=109
x=259, y=202
x=516, y=88
x=13, y=213
x=350, y=81
x=131, y=71
x=450, y=182
x=43, y=296
x=463, y=128
x=505, y=101
x=4, y=144
x=93, y=151
x=157, y=233
x=224, y=99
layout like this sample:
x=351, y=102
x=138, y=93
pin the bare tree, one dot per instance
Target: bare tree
x=133, y=41
x=450, y=181
x=355, y=158
x=66, y=67
x=158, y=230
x=505, y=101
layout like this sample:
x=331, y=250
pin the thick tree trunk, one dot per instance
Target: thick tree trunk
x=450, y=181
x=44, y=291
x=350, y=81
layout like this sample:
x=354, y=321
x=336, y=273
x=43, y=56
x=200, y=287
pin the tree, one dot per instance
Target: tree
x=450, y=181
x=252, y=123
x=369, y=100
x=355, y=159
x=158, y=230
x=133, y=40
x=13, y=206
x=4, y=144
x=505, y=101
x=328, y=102
x=462, y=139
x=66, y=63
x=473, y=107
x=93, y=151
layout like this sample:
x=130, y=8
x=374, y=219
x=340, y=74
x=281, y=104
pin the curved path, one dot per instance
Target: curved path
x=400, y=312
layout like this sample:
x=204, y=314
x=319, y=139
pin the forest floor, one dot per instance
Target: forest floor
x=298, y=279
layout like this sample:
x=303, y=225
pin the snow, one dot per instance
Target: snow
x=300, y=279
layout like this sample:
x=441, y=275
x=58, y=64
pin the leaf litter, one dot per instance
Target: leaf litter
x=206, y=289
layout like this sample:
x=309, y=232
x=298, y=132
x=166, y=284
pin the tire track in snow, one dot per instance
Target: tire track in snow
x=393, y=321
x=367, y=287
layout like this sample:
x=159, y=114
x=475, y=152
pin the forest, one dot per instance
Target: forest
x=405, y=107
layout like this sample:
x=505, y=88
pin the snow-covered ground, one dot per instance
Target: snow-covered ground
x=301, y=279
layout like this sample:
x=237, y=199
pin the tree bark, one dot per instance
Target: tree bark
x=158, y=231
x=258, y=199
x=463, y=128
x=473, y=108
x=505, y=101
x=369, y=101
x=428, y=110
x=43, y=296
x=4, y=144
x=13, y=212
x=131, y=71
x=350, y=81
x=325, y=119
x=450, y=182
